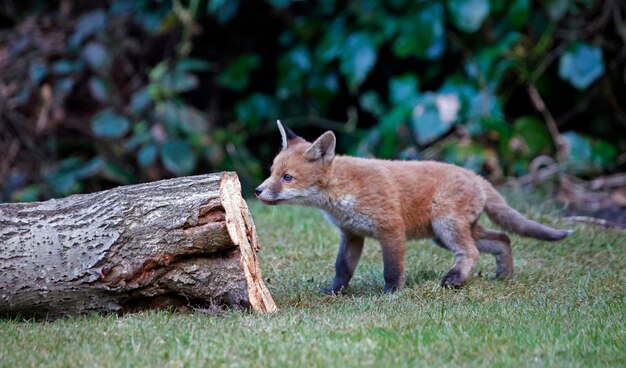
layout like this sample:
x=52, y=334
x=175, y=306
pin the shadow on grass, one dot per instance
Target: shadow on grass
x=420, y=277
x=364, y=286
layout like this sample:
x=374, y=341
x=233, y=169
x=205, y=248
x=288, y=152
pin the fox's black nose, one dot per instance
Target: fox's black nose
x=258, y=190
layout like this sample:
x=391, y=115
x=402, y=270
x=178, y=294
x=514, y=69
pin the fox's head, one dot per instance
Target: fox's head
x=299, y=170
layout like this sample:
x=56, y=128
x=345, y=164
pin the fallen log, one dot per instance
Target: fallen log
x=181, y=242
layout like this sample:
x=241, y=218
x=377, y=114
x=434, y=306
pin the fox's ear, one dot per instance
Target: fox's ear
x=286, y=134
x=323, y=148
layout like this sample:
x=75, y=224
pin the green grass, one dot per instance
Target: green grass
x=564, y=307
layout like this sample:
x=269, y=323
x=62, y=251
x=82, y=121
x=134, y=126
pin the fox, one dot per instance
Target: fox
x=393, y=201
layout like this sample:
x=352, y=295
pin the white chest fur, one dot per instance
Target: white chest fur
x=343, y=214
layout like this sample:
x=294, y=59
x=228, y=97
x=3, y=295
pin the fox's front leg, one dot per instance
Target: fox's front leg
x=350, y=249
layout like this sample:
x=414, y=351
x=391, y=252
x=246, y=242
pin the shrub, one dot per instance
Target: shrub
x=96, y=94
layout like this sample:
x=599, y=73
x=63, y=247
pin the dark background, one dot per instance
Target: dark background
x=95, y=94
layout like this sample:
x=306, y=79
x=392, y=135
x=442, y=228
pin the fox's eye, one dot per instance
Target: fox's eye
x=287, y=178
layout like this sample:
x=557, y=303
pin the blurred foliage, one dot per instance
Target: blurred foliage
x=95, y=94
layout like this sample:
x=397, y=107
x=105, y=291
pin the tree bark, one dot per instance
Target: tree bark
x=180, y=242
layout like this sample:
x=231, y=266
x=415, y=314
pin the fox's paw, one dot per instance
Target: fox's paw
x=333, y=291
x=452, y=280
x=391, y=288
x=502, y=275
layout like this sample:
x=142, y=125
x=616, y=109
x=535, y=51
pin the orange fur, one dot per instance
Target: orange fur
x=393, y=201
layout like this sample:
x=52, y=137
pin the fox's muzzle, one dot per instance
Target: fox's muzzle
x=258, y=190
x=266, y=196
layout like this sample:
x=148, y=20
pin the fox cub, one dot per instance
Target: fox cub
x=393, y=201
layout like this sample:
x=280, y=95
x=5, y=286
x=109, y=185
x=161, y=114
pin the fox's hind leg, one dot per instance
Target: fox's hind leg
x=350, y=249
x=499, y=245
x=457, y=237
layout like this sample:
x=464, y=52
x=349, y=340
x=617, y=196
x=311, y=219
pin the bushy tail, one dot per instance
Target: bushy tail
x=511, y=220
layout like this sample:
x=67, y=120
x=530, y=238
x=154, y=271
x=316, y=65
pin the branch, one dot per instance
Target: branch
x=594, y=221
x=561, y=145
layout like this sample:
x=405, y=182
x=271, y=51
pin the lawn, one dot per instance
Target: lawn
x=565, y=306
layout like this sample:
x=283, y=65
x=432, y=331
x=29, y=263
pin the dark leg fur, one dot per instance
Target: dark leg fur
x=499, y=245
x=350, y=249
x=394, y=249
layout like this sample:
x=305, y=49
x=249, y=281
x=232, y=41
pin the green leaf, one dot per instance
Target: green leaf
x=581, y=65
x=383, y=28
x=489, y=64
x=468, y=155
x=178, y=81
x=29, y=194
x=468, y=15
x=367, y=144
x=141, y=135
x=158, y=71
x=482, y=105
x=388, y=129
x=499, y=130
x=300, y=58
x=427, y=126
x=88, y=24
x=147, y=155
x=519, y=11
x=37, y=72
x=64, y=179
x=89, y=169
x=433, y=116
x=603, y=153
x=370, y=102
x=498, y=7
x=193, y=65
x=357, y=58
x=535, y=134
x=422, y=34
x=579, y=154
x=558, y=8
x=167, y=81
x=140, y=101
x=65, y=67
x=99, y=88
x=23, y=95
x=294, y=67
x=223, y=10
x=150, y=21
x=178, y=115
x=331, y=43
x=255, y=108
x=63, y=184
x=121, y=7
x=323, y=88
x=236, y=76
x=403, y=90
x=108, y=124
x=279, y=4
x=97, y=56
x=64, y=86
x=117, y=173
x=587, y=155
x=177, y=157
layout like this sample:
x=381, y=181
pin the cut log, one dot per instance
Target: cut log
x=180, y=242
